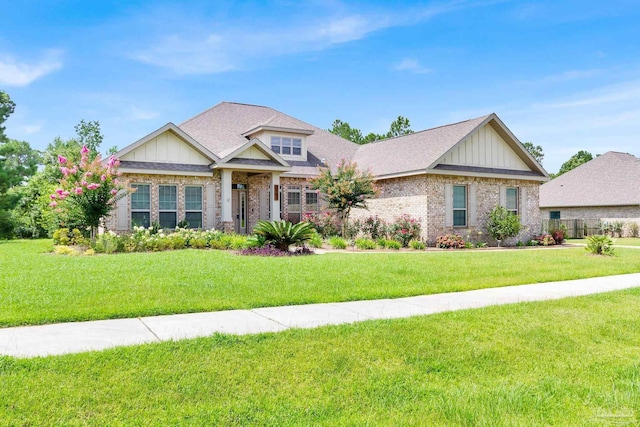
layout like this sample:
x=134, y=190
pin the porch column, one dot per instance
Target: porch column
x=274, y=201
x=227, y=218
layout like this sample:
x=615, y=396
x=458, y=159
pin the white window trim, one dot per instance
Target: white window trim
x=306, y=206
x=515, y=211
x=466, y=206
x=140, y=210
x=201, y=211
x=279, y=152
x=168, y=210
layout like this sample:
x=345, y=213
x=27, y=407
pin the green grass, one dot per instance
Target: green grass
x=568, y=362
x=622, y=241
x=37, y=287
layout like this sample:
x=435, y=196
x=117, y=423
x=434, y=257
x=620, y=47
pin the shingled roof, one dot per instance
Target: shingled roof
x=226, y=127
x=612, y=179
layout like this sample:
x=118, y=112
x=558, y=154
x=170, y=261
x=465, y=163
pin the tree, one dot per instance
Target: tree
x=535, y=151
x=90, y=186
x=576, y=160
x=7, y=107
x=349, y=188
x=503, y=224
x=89, y=135
x=399, y=127
x=19, y=162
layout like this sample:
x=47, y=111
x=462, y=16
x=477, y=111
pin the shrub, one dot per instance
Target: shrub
x=337, y=242
x=107, y=243
x=64, y=236
x=469, y=245
x=374, y=227
x=365, y=244
x=393, y=244
x=316, y=240
x=545, y=240
x=481, y=245
x=325, y=223
x=558, y=231
x=630, y=229
x=533, y=242
x=382, y=243
x=283, y=234
x=404, y=229
x=599, y=245
x=65, y=250
x=271, y=251
x=417, y=245
x=450, y=241
x=503, y=224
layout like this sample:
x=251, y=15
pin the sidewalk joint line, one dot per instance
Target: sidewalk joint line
x=149, y=329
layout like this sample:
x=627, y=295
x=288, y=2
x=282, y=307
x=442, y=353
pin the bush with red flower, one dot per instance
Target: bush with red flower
x=404, y=229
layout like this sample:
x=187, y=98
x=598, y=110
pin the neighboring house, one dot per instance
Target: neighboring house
x=235, y=164
x=606, y=188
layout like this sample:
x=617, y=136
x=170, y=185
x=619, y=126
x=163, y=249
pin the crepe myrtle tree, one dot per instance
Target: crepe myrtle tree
x=347, y=189
x=92, y=187
x=503, y=224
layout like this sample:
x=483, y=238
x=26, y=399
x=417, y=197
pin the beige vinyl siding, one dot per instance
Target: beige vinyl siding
x=166, y=148
x=485, y=148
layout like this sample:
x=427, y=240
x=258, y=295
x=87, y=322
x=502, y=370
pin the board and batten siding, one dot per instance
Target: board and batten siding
x=166, y=148
x=485, y=148
x=253, y=153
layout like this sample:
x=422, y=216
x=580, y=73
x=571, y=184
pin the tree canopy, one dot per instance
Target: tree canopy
x=576, y=160
x=398, y=127
x=535, y=151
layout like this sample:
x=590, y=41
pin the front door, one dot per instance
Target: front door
x=239, y=209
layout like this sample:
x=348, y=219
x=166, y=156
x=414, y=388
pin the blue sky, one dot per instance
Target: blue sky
x=562, y=74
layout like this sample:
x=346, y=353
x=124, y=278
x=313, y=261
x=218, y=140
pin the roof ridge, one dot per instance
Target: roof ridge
x=426, y=130
x=219, y=104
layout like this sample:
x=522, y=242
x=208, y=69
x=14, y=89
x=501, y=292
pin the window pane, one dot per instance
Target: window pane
x=297, y=147
x=193, y=198
x=286, y=150
x=512, y=199
x=141, y=199
x=194, y=219
x=311, y=200
x=293, y=201
x=140, y=219
x=168, y=219
x=459, y=197
x=297, y=142
x=459, y=218
x=275, y=144
x=167, y=200
x=554, y=215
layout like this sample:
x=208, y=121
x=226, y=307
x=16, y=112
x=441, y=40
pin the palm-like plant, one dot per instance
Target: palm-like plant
x=282, y=234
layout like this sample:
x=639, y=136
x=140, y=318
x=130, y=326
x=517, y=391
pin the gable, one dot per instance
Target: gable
x=484, y=148
x=252, y=152
x=166, y=147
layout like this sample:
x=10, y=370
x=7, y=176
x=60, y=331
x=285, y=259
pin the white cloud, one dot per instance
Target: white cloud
x=30, y=129
x=16, y=73
x=136, y=113
x=202, y=47
x=411, y=65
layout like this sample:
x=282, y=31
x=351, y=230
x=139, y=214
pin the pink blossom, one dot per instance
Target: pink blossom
x=59, y=191
x=53, y=204
x=65, y=171
x=52, y=196
x=84, y=150
x=65, y=194
x=78, y=190
x=112, y=161
x=116, y=181
x=92, y=186
x=62, y=160
x=83, y=183
x=114, y=192
x=103, y=177
x=89, y=173
x=73, y=170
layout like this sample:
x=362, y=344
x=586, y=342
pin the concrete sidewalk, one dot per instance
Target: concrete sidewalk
x=62, y=338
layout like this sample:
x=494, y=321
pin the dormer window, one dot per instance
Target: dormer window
x=286, y=146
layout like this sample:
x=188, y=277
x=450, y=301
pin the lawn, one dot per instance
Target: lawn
x=567, y=362
x=622, y=241
x=38, y=287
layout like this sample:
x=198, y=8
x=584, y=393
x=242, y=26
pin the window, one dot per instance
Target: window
x=459, y=206
x=293, y=205
x=554, y=215
x=141, y=205
x=193, y=206
x=311, y=201
x=512, y=200
x=168, y=206
x=286, y=146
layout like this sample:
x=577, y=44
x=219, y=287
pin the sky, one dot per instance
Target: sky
x=563, y=74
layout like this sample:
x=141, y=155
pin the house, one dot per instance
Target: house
x=234, y=164
x=604, y=189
